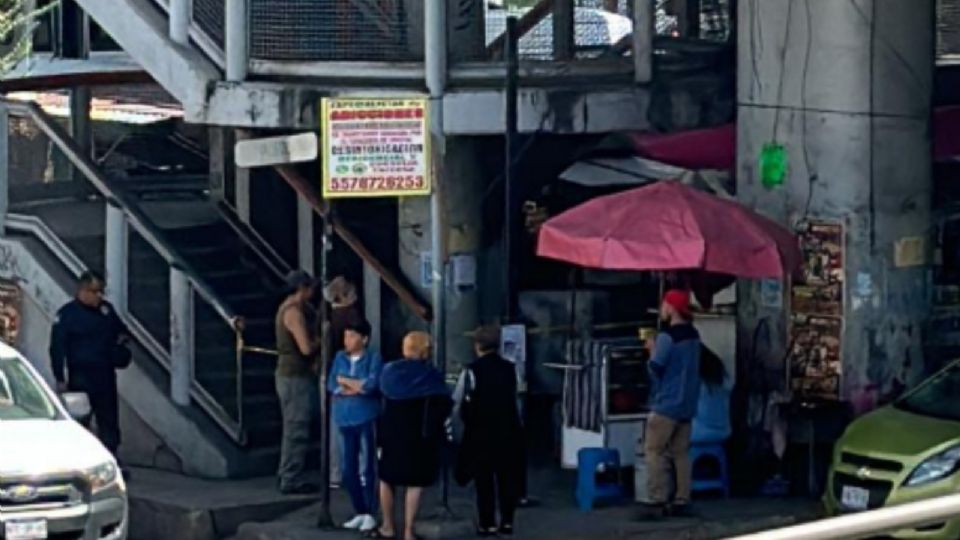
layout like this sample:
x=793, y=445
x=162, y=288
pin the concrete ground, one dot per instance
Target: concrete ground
x=557, y=517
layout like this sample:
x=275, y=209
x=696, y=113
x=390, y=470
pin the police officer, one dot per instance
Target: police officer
x=90, y=340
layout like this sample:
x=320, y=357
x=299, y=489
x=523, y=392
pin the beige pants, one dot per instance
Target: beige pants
x=666, y=446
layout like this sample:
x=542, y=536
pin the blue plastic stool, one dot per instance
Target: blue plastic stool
x=590, y=461
x=714, y=451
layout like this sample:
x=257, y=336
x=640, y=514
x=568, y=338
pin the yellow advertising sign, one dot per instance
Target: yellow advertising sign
x=375, y=147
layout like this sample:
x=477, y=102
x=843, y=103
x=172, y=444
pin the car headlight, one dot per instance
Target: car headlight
x=102, y=476
x=935, y=468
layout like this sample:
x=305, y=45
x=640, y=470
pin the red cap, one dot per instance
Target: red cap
x=679, y=300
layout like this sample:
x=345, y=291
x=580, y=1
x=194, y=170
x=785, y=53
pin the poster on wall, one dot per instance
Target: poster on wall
x=820, y=290
x=375, y=147
x=815, y=359
x=9, y=312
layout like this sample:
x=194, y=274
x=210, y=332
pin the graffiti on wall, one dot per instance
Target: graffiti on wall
x=815, y=359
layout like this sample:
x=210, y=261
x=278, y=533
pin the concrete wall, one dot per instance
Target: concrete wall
x=845, y=87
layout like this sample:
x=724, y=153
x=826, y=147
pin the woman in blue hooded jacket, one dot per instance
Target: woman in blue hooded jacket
x=416, y=406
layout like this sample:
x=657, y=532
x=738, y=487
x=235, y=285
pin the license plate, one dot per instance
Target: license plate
x=26, y=530
x=855, y=498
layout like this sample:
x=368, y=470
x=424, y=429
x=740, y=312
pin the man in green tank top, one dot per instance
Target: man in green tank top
x=296, y=380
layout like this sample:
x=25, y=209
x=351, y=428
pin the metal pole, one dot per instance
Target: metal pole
x=510, y=93
x=4, y=166
x=180, y=12
x=325, y=519
x=868, y=524
x=181, y=336
x=235, y=40
x=435, y=66
x=564, y=29
x=643, y=30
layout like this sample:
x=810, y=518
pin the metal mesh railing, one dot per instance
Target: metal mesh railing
x=948, y=28
x=309, y=30
x=209, y=16
x=598, y=26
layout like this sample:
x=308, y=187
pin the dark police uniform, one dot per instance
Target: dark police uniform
x=84, y=339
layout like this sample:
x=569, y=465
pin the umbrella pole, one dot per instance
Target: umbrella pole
x=663, y=290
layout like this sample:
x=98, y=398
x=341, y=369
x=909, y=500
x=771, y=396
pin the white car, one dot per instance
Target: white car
x=56, y=480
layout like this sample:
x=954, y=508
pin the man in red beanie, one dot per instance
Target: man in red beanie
x=675, y=387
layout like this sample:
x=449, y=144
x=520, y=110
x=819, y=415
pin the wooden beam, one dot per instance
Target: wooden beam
x=526, y=23
x=309, y=193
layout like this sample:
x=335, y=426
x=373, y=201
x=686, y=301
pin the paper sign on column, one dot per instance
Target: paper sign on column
x=909, y=252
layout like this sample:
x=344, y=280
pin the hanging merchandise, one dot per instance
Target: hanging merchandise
x=773, y=165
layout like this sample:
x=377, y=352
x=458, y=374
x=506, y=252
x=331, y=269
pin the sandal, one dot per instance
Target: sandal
x=377, y=533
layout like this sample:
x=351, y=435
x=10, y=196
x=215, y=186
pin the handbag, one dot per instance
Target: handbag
x=121, y=357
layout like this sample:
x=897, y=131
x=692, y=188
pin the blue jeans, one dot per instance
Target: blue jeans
x=360, y=482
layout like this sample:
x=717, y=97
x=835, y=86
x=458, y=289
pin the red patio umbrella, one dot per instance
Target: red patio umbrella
x=669, y=226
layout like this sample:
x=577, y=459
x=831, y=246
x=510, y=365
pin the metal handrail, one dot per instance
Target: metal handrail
x=136, y=217
x=870, y=523
x=253, y=240
x=36, y=227
x=206, y=43
x=139, y=221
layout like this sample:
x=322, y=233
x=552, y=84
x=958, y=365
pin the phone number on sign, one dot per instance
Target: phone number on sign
x=378, y=183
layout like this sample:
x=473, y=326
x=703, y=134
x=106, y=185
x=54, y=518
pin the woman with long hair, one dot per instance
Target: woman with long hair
x=712, y=422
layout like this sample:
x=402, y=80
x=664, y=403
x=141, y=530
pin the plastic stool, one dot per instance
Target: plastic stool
x=718, y=483
x=590, y=461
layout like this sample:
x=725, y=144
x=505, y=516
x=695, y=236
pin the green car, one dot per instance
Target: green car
x=901, y=453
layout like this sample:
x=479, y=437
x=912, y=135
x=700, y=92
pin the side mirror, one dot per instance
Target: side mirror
x=77, y=405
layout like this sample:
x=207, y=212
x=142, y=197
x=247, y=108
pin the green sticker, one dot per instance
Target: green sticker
x=773, y=165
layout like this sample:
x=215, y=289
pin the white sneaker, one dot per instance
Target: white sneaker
x=354, y=523
x=368, y=524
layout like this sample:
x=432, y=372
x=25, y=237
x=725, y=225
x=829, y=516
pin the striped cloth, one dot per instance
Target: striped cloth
x=583, y=388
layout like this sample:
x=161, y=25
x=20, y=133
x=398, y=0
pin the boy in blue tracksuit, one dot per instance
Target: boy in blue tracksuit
x=355, y=385
x=675, y=387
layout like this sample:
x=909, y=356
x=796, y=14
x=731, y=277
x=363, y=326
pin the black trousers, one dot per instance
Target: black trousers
x=498, y=484
x=100, y=385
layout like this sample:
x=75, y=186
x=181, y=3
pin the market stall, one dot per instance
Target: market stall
x=666, y=227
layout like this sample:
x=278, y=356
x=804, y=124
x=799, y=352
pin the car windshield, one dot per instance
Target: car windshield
x=938, y=397
x=21, y=396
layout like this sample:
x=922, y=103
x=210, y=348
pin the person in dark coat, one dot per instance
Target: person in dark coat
x=486, y=398
x=88, y=339
x=412, y=433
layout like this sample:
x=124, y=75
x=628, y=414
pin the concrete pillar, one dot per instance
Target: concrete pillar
x=180, y=14
x=463, y=217
x=241, y=189
x=372, y=304
x=221, y=142
x=4, y=166
x=306, y=244
x=845, y=87
x=115, y=256
x=236, y=39
x=181, y=337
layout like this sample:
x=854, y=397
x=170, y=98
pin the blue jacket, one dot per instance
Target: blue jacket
x=675, y=373
x=365, y=407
